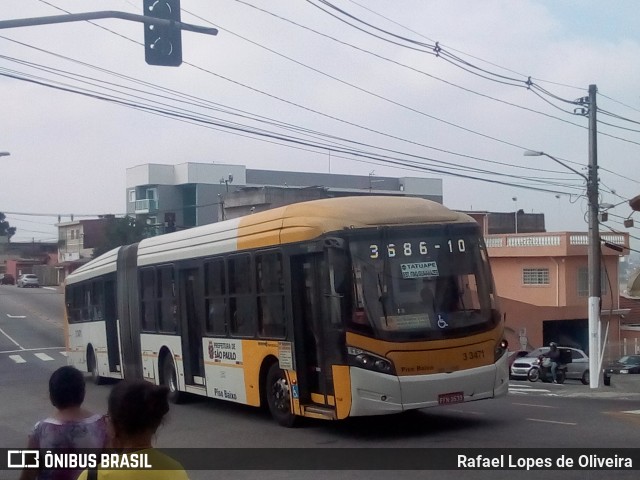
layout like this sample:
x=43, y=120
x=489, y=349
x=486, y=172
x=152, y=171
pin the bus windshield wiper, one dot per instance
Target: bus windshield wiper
x=382, y=298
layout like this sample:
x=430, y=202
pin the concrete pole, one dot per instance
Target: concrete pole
x=594, y=253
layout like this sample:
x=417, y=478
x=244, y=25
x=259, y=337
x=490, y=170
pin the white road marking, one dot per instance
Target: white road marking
x=63, y=353
x=12, y=340
x=459, y=410
x=43, y=356
x=17, y=359
x=633, y=412
x=16, y=316
x=550, y=421
x=534, y=405
x=529, y=390
x=31, y=349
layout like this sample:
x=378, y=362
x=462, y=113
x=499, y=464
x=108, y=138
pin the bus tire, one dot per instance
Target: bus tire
x=170, y=380
x=279, y=397
x=92, y=366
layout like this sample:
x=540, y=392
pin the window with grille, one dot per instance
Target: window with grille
x=535, y=276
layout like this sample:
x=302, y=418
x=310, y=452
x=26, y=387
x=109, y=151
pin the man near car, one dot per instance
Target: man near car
x=554, y=356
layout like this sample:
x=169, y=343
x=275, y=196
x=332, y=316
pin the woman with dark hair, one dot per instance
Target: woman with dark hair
x=136, y=410
x=69, y=427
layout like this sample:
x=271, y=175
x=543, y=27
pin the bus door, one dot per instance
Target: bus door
x=191, y=326
x=317, y=339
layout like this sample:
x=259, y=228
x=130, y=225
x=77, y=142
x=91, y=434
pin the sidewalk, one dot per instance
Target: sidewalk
x=623, y=387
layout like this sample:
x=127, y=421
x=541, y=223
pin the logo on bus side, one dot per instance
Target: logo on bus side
x=225, y=351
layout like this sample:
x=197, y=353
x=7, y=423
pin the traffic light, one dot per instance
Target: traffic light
x=162, y=44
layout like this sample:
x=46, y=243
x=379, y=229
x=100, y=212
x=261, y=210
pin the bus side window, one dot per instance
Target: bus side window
x=241, y=299
x=270, y=291
x=167, y=303
x=215, y=297
x=147, y=287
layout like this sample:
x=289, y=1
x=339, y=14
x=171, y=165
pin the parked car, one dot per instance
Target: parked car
x=7, y=279
x=28, y=280
x=515, y=355
x=624, y=365
x=578, y=369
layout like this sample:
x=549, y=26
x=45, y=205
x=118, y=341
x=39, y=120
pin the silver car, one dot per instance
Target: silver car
x=578, y=369
x=28, y=280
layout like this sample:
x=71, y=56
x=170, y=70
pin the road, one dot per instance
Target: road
x=531, y=416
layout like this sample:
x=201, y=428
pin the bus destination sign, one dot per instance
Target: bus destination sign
x=419, y=270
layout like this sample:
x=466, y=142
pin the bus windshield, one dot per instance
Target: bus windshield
x=428, y=283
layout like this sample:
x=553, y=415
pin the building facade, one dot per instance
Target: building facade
x=542, y=281
x=192, y=194
x=76, y=241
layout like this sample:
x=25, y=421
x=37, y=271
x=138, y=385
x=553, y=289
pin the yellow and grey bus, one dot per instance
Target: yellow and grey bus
x=325, y=309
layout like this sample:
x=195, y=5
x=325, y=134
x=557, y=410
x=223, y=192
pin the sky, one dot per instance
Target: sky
x=456, y=90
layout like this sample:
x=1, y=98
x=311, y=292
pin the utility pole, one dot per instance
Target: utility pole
x=594, y=253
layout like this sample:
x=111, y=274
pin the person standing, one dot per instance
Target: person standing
x=136, y=411
x=69, y=427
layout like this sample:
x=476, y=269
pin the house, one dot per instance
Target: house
x=542, y=281
x=17, y=258
x=76, y=241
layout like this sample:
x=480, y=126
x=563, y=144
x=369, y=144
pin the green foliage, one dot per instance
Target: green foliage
x=5, y=229
x=120, y=231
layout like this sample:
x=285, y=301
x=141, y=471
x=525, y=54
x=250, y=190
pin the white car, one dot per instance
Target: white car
x=578, y=369
x=28, y=280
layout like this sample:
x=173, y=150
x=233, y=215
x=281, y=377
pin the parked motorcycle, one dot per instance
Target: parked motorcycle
x=540, y=371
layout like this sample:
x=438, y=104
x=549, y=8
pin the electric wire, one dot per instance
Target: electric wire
x=423, y=145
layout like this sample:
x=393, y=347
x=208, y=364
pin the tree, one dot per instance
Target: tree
x=5, y=229
x=120, y=231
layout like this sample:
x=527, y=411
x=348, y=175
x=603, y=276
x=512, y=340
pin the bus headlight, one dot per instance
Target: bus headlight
x=501, y=349
x=370, y=361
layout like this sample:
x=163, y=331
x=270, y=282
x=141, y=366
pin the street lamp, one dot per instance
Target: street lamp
x=594, y=268
x=4, y=154
x=533, y=153
x=515, y=199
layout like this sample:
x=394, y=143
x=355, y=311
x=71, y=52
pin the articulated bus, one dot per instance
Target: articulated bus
x=326, y=309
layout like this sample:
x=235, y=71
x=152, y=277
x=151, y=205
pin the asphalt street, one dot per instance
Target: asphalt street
x=531, y=416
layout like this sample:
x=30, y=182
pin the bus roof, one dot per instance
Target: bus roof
x=291, y=223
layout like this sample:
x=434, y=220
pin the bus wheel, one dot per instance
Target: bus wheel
x=170, y=380
x=279, y=397
x=92, y=366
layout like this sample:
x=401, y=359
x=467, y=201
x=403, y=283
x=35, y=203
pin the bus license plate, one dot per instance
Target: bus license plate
x=449, y=398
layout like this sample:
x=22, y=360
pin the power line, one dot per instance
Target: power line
x=335, y=118
x=390, y=160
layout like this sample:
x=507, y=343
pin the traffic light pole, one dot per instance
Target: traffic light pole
x=594, y=252
x=81, y=17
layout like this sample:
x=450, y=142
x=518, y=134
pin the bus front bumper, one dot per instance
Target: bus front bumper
x=375, y=393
